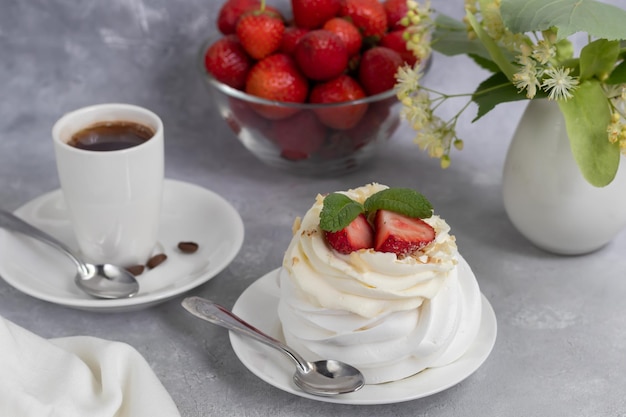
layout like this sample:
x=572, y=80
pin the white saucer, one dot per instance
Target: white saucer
x=258, y=305
x=189, y=213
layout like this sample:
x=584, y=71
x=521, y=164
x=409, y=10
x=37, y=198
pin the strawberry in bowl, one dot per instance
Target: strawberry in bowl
x=308, y=89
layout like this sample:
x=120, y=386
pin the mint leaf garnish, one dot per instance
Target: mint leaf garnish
x=338, y=212
x=400, y=200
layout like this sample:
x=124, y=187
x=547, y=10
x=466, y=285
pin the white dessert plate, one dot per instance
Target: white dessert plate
x=258, y=305
x=189, y=213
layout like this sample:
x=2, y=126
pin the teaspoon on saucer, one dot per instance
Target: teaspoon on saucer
x=323, y=378
x=100, y=281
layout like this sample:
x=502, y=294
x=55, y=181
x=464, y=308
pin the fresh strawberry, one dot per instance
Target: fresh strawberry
x=241, y=116
x=321, y=55
x=357, y=235
x=230, y=13
x=227, y=61
x=395, y=40
x=299, y=136
x=353, y=64
x=367, y=15
x=377, y=71
x=400, y=234
x=277, y=78
x=260, y=32
x=290, y=38
x=311, y=14
x=376, y=125
x=341, y=89
x=395, y=10
x=337, y=145
x=347, y=32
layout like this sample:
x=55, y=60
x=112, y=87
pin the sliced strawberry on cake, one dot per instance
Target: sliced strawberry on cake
x=398, y=226
x=401, y=234
x=357, y=235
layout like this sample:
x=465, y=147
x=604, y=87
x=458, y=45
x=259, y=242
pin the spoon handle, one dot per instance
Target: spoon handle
x=220, y=316
x=11, y=222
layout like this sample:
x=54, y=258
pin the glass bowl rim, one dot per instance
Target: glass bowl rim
x=233, y=92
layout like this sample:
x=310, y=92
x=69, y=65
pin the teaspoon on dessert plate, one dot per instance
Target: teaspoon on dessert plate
x=100, y=281
x=324, y=378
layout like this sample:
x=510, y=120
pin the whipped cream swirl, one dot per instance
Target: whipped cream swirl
x=391, y=317
x=366, y=282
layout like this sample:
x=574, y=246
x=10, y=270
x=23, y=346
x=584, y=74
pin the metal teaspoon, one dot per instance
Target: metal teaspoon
x=323, y=378
x=100, y=281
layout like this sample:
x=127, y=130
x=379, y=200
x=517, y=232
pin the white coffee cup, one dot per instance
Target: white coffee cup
x=113, y=197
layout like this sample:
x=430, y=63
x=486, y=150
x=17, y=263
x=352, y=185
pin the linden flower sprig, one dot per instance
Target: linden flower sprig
x=525, y=46
x=419, y=25
x=434, y=135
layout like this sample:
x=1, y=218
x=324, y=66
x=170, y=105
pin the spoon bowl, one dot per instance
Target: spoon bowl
x=329, y=377
x=100, y=281
x=323, y=378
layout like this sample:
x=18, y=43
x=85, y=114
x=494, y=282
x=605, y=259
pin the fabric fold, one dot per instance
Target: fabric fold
x=76, y=376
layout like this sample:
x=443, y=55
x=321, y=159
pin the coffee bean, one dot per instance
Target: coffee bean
x=156, y=260
x=136, y=269
x=188, y=247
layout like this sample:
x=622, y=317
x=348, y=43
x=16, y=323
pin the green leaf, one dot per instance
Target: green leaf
x=587, y=116
x=485, y=63
x=495, y=90
x=598, y=58
x=450, y=38
x=618, y=76
x=597, y=19
x=338, y=212
x=400, y=200
x=564, y=50
x=496, y=54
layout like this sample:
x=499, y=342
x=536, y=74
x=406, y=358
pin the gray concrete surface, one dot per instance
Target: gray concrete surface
x=561, y=343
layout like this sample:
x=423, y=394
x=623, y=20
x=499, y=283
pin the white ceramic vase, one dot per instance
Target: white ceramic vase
x=545, y=195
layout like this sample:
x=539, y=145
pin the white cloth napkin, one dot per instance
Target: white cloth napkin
x=76, y=376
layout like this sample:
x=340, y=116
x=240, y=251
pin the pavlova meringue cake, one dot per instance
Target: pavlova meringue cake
x=372, y=277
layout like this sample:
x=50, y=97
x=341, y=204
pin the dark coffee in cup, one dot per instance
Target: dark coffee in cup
x=111, y=136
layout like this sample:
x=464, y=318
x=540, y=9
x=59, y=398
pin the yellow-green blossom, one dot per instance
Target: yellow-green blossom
x=559, y=83
x=543, y=51
x=539, y=72
x=527, y=78
x=491, y=22
x=419, y=26
x=407, y=81
x=614, y=129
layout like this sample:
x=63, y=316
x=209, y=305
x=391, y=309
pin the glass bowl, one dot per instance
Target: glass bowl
x=307, y=139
